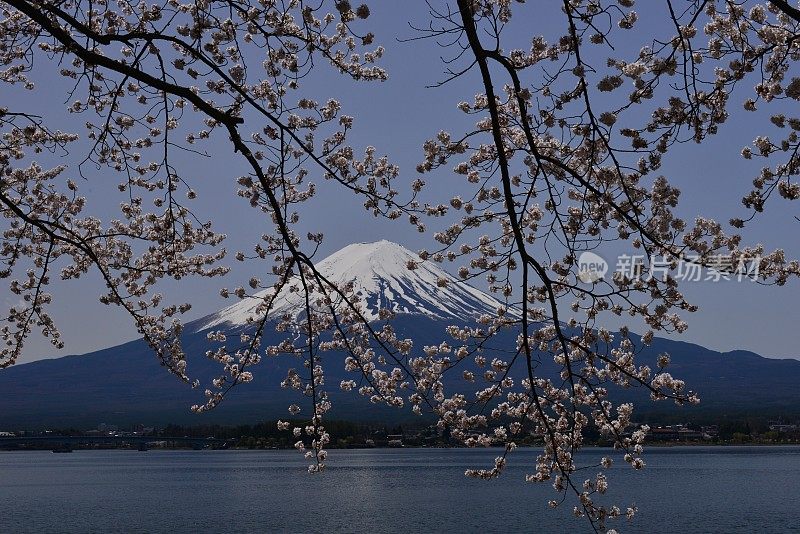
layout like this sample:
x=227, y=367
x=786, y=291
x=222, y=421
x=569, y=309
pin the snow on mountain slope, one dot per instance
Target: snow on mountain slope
x=382, y=279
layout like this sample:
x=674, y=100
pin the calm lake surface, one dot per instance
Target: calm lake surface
x=683, y=489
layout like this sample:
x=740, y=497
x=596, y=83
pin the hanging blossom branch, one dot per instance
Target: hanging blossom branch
x=554, y=179
x=150, y=57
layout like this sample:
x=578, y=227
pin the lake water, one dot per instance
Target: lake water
x=683, y=489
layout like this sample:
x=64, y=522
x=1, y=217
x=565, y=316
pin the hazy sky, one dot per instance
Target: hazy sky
x=397, y=116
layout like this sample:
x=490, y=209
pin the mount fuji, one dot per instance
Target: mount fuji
x=381, y=277
x=125, y=384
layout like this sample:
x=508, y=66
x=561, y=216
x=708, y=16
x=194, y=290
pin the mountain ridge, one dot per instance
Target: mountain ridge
x=125, y=384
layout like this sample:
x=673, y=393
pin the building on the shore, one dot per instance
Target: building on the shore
x=676, y=433
x=395, y=440
x=780, y=426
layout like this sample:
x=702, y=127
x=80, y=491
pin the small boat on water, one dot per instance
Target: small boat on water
x=143, y=447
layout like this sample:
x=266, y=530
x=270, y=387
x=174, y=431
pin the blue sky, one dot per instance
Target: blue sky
x=397, y=116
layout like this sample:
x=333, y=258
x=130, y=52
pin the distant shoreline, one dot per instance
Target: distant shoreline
x=656, y=445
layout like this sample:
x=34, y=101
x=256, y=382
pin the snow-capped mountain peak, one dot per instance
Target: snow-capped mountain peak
x=381, y=277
